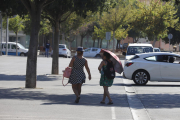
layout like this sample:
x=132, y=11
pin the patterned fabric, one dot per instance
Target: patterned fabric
x=104, y=81
x=77, y=74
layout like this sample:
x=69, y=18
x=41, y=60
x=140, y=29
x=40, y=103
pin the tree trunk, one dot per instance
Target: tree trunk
x=134, y=40
x=69, y=46
x=76, y=41
x=16, y=44
x=98, y=42
x=63, y=38
x=101, y=43
x=113, y=41
x=55, y=60
x=82, y=41
x=154, y=42
x=32, y=53
x=118, y=44
x=94, y=43
x=107, y=44
x=87, y=41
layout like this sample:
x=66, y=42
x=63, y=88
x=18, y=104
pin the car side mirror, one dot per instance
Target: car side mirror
x=124, y=53
x=18, y=48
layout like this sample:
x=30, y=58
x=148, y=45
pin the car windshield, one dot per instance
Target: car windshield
x=61, y=46
x=21, y=46
x=156, y=50
x=132, y=50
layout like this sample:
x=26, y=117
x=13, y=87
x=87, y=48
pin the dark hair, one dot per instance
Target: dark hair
x=107, y=55
x=79, y=53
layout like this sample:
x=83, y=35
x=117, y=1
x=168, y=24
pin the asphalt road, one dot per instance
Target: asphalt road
x=51, y=101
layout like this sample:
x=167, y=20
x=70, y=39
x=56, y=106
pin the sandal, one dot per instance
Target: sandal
x=110, y=103
x=77, y=100
x=102, y=102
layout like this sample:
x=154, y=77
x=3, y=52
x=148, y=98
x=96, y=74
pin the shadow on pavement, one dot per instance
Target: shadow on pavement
x=120, y=100
x=4, y=77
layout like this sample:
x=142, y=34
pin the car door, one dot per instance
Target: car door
x=13, y=49
x=93, y=52
x=152, y=65
x=9, y=50
x=170, y=71
x=87, y=52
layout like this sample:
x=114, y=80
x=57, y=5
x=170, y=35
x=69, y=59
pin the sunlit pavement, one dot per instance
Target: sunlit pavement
x=51, y=101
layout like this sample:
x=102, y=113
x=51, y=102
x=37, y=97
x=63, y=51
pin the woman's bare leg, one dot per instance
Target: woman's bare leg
x=107, y=93
x=75, y=89
x=104, y=97
x=79, y=88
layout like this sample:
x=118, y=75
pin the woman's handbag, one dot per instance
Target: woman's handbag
x=66, y=74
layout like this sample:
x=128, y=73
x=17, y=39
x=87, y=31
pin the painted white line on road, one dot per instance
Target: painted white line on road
x=113, y=113
x=137, y=108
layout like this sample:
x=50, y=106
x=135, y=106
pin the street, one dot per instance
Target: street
x=51, y=101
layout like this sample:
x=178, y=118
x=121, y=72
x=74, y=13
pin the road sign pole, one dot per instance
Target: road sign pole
x=1, y=37
x=7, y=35
x=169, y=44
x=170, y=36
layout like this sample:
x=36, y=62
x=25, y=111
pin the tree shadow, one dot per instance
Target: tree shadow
x=5, y=77
x=120, y=100
x=153, y=101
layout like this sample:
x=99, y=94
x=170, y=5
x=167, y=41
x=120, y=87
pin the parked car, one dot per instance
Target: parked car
x=92, y=52
x=22, y=51
x=154, y=67
x=63, y=51
x=137, y=48
x=157, y=50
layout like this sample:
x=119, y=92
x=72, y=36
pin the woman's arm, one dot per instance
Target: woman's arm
x=88, y=70
x=100, y=66
x=72, y=62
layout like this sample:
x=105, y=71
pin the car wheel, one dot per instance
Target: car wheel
x=98, y=56
x=141, y=77
x=22, y=54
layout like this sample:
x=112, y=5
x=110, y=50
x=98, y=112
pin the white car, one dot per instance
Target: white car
x=63, y=51
x=157, y=50
x=157, y=66
x=92, y=52
x=137, y=48
x=22, y=51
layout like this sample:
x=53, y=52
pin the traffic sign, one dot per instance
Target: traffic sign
x=108, y=35
x=170, y=36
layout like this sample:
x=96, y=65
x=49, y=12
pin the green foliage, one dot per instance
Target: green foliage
x=15, y=24
x=174, y=31
x=12, y=7
x=155, y=18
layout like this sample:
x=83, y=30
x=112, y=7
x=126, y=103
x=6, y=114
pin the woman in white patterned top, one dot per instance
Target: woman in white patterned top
x=78, y=76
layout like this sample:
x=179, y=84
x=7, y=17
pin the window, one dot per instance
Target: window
x=87, y=50
x=164, y=58
x=21, y=46
x=94, y=50
x=132, y=50
x=61, y=46
x=13, y=46
x=8, y=46
x=152, y=58
x=135, y=57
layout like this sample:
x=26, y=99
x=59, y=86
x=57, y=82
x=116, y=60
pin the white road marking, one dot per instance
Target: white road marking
x=137, y=108
x=113, y=113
